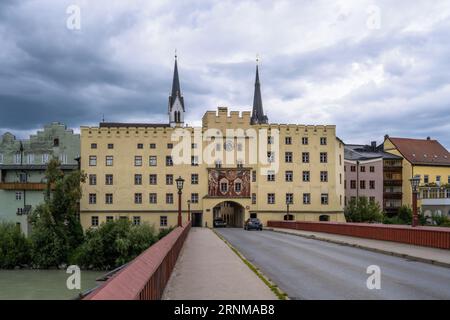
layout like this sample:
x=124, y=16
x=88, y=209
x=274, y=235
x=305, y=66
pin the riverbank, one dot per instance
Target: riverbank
x=29, y=284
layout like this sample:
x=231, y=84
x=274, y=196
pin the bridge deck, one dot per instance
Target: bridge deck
x=207, y=269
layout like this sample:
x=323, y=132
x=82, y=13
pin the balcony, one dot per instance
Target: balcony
x=393, y=169
x=393, y=183
x=393, y=195
x=29, y=186
x=435, y=195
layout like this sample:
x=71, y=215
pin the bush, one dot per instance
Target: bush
x=113, y=244
x=403, y=216
x=363, y=211
x=14, y=246
x=441, y=221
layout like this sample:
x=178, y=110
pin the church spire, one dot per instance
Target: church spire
x=176, y=101
x=258, y=116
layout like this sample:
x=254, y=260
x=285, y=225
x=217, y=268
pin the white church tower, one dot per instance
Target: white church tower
x=176, y=101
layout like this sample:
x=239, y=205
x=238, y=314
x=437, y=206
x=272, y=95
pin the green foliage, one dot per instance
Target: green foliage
x=113, y=244
x=404, y=216
x=363, y=211
x=14, y=246
x=441, y=221
x=56, y=231
x=164, y=232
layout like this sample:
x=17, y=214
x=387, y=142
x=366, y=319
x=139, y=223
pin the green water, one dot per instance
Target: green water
x=42, y=284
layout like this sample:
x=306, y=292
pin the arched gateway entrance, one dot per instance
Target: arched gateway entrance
x=230, y=211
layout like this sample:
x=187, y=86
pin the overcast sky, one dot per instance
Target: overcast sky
x=370, y=67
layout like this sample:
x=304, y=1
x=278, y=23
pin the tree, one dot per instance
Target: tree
x=56, y=231
x=363, y=210
x=113, y=244
x=14, y=246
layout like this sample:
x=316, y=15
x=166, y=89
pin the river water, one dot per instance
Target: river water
x=42, y=284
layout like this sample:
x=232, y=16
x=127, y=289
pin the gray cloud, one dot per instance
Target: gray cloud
x=320, y=63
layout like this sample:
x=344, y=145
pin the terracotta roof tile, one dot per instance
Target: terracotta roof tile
x=417, y=151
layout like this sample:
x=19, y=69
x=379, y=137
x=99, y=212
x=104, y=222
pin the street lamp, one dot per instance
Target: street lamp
x=415, y=181
x=189, y=210
x=288, y=202
x=180, y=182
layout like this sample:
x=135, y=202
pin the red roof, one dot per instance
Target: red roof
x=426, y=152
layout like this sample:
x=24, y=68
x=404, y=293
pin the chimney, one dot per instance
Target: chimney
x=373, y=144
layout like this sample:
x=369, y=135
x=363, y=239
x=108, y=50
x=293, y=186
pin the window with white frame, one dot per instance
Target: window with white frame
x=323, y=157
x=109, y=179
x=324, y=198
x=109, y=161
x=305, y=157
x=17, y=158
x=109, y=198
x=94, y=221
x=136, y=220
x=306, y=198
x=224, y=187
x=152, y=161
x=289, y=176
x=30, y=158
x=92, y=160
x=18, y=195
x=63, y=158
x=271, y=198
x=138, y=161
x=290, y=198
x=194, y=197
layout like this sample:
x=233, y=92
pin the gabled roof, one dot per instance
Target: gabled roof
x=422, y=151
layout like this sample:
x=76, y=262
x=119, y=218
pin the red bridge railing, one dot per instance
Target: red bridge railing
x=145, y=277
x=421, y=236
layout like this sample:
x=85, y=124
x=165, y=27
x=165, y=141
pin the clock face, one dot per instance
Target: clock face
x=229, y=146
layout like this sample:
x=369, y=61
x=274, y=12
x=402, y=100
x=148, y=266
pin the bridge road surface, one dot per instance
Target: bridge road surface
x=314, y=269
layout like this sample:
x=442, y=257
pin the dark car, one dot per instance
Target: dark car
x=253, y=224
x=220, y=223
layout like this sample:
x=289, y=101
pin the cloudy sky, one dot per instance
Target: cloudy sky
x=370, y=67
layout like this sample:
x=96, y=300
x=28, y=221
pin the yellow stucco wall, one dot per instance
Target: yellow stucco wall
x=125, y=142
x=410, y=171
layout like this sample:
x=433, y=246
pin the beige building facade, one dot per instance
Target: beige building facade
x=235, y=166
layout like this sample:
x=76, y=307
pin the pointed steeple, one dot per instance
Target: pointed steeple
x=258, y=116
x=176, y=101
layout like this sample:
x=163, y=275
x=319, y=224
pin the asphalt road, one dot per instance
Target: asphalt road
x=313, y=269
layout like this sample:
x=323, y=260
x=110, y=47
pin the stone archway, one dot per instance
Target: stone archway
x=232, y=212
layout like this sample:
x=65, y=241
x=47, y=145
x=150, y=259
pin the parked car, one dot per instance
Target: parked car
x=219, y=223
x=253, y=224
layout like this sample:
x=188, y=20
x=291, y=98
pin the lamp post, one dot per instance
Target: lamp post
x=180, y=182
x=415, y=181
x=189, y=210
x=288, y=202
